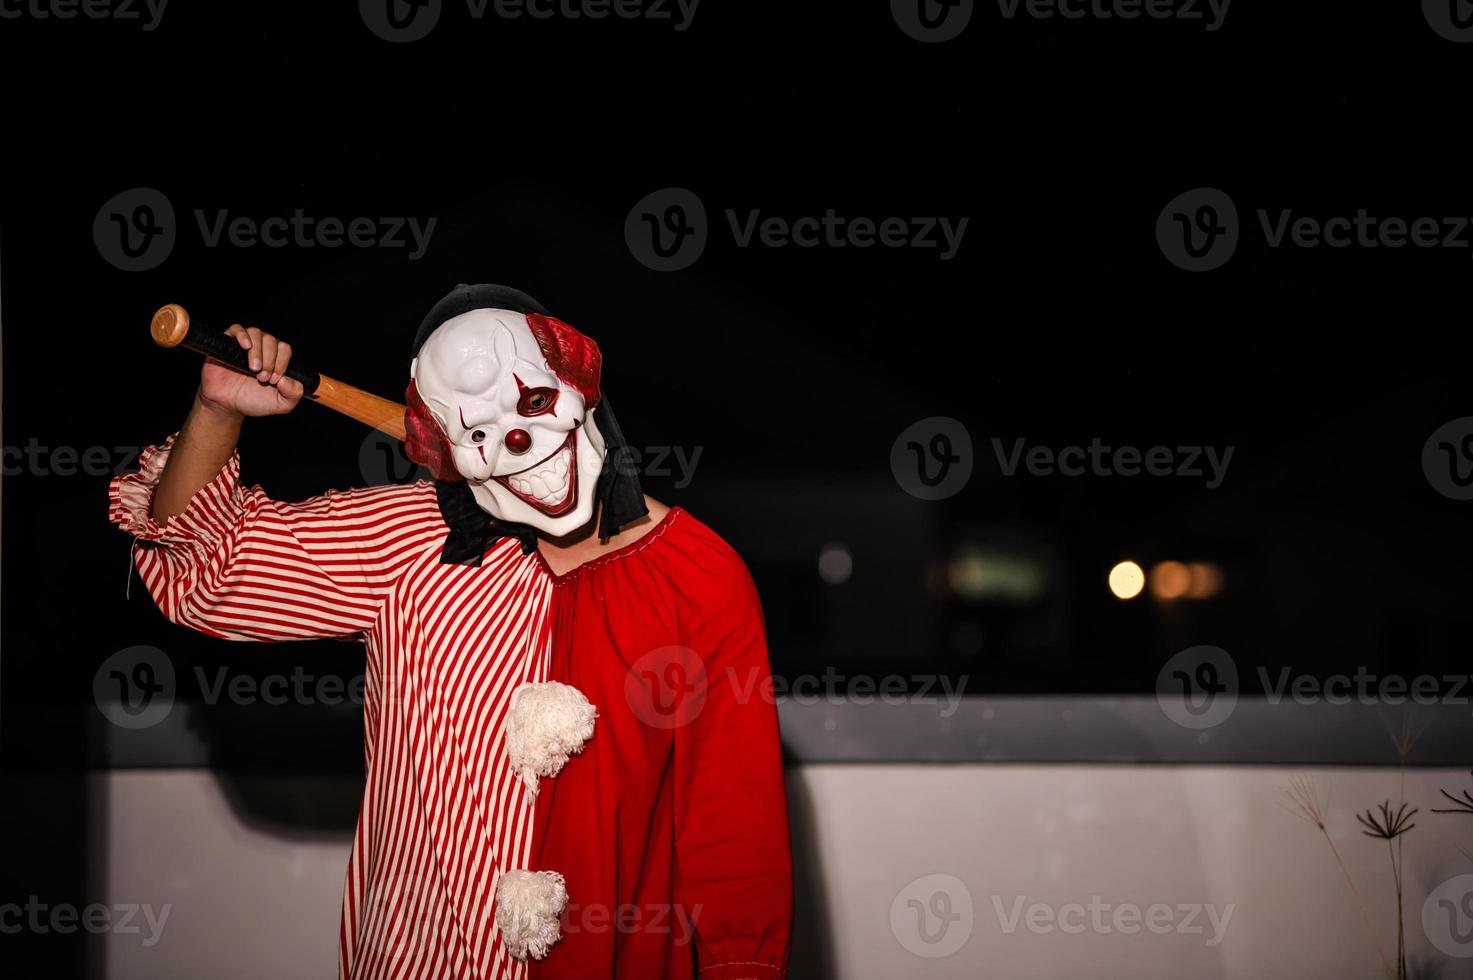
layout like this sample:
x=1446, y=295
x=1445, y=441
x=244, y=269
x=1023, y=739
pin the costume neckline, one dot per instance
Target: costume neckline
x=648, y=538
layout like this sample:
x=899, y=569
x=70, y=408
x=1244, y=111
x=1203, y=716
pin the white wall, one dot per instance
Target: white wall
x=243, y=903
x=1129, y=835
x=250, y=903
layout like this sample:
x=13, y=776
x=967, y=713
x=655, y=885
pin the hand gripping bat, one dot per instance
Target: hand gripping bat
x=171, y=328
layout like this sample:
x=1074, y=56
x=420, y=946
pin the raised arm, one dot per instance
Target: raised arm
x=230, y=561
x=225, y=397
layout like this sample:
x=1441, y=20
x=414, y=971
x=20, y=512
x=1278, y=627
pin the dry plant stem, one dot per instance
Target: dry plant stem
x=1401, y=929
x=1359, y=900
x=1397, y=863
x=1303, y=801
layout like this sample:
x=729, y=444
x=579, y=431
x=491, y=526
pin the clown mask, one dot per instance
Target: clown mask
x=512, y=396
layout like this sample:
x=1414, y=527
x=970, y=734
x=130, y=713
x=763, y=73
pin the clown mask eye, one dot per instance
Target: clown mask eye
x=478, y=436
x=536, y=401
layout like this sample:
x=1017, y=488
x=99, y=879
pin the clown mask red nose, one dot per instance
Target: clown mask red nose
x=511, y=399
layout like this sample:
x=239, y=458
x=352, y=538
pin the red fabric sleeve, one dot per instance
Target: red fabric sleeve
x=733, y=862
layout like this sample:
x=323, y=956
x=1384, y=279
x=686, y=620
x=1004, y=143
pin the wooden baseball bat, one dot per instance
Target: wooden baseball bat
x=170, y=328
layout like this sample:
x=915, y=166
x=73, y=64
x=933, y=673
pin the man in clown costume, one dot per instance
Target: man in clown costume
x=572, y=757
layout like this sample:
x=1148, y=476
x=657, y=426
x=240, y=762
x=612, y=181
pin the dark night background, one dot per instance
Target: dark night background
x=793, y=370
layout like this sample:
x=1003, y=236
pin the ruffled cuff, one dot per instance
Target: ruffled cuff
x=210, y=513
x=742, y=971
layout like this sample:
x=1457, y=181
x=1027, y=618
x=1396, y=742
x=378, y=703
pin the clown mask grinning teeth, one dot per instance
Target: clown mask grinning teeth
x=550, y=484
x=510, y=400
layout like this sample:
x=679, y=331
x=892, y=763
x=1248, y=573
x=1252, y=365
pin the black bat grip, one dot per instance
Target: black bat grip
x=223, y=347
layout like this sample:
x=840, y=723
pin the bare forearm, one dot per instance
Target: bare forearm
x=224, y=398
x=205, y=444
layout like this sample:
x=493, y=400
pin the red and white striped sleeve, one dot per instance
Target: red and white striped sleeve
x=238, y=565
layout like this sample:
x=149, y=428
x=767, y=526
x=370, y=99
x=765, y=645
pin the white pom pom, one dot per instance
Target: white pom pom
x=546, y=724
x=528, y=904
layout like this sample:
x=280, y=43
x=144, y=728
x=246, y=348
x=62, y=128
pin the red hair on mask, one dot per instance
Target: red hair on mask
x=425, y=442
x=571, y=355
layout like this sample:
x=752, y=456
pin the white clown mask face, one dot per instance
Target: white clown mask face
x=522, y=438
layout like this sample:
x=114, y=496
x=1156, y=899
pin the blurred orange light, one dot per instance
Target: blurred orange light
x=1170, y=580
x=1127, y=580
x=1206, y=580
